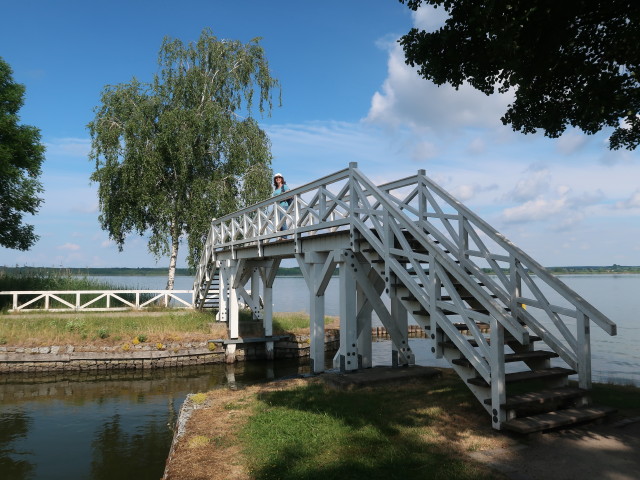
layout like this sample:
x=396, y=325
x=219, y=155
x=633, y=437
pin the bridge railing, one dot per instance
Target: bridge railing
x=520, y=284
x=320, y=206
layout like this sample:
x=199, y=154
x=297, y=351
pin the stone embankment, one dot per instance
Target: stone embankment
x=147, y=356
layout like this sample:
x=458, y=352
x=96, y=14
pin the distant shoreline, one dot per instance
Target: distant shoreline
x=282, y=272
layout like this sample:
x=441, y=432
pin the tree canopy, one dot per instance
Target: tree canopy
x=21, y=156
x=176, y=152
x=570, y=63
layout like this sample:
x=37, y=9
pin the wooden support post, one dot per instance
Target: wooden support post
x=348, y=324
x=316, y=268
x=255, y=293
x=223, y=293
x=404, y=356
x=583, y=337
x=268, y=276
x=498, y=385
x=232, y=299
x=316, y=320
x=365, y=354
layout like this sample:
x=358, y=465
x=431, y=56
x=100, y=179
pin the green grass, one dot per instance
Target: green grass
x=295, y=321
x=312, y=433
x=78, y=328
x=625, y=398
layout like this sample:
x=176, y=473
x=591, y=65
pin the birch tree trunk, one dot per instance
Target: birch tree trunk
x=175, y=244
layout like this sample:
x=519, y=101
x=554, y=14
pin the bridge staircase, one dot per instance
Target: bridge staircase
x=512, y=331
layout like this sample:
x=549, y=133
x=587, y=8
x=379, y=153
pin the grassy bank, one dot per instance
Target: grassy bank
x=110, y=328
x=300, y=429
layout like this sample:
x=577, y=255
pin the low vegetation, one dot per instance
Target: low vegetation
x=153, y=326
x=32, y=330
x=301, y=429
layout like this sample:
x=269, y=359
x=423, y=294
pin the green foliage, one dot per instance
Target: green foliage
x=21, y=156
x=103, y=333
x=569, y=63
x=176, y=152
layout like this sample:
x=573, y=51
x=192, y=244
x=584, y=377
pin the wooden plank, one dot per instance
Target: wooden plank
x=560, y=418
x=543, y=396
x=514, y=357
x=528, y=375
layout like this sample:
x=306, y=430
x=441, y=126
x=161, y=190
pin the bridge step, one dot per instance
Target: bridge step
x=514, y=357
x=551, y=396
x=559, y=418
x=542, y=374
x=473, y=343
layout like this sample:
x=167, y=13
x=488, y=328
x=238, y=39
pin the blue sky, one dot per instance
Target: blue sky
x=347, y=96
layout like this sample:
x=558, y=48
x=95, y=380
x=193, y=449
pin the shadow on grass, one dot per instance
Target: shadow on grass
x=384, y=433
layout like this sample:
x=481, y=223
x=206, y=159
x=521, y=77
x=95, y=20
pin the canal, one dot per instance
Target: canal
x=118, y=426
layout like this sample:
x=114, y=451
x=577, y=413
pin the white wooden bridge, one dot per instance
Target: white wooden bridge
x=413, y=242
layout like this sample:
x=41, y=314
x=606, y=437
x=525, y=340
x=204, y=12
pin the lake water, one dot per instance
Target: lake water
x=614, y=359
x=119, y=426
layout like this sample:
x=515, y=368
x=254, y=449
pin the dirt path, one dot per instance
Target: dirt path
x=606, y=451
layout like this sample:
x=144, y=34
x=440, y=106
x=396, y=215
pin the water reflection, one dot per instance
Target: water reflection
x=115, y=426
x=14, y=427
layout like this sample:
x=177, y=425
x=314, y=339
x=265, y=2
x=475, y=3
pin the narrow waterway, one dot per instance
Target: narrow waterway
x=115, y=427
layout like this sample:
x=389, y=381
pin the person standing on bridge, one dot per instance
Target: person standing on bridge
x=279, y=187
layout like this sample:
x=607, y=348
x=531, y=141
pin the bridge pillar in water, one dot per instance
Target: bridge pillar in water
x=229, y=304
x=268, y=275
x=317, y=267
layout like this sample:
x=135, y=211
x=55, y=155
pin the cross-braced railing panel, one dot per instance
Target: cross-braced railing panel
x=515, y=277
x=427, y=270
x=318, y=207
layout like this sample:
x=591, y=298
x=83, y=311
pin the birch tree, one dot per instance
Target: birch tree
x=174, y=153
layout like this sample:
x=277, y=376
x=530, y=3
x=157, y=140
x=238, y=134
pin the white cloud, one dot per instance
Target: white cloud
x=406, y=99
x=70, y=147
x=536, y=182
x=632, y=202
x=571, y=142
x=69, y=246
x=560, y=208
x=477, y=146
x=466, y=192
x=429, y=18
x=423, y=151
x=532, y=210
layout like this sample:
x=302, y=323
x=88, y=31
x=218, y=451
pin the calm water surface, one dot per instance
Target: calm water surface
x=104, y=426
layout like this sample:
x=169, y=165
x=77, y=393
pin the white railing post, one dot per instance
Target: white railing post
x=584, y=350
x=498, y=386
